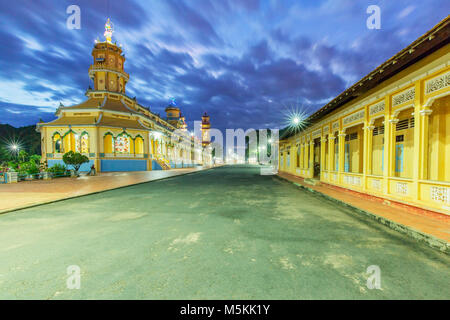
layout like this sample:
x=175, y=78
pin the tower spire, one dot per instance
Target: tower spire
x=109, y=29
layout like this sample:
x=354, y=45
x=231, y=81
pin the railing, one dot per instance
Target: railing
x=108, y=68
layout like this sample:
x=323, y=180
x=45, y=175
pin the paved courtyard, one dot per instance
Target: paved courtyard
x=225, y=233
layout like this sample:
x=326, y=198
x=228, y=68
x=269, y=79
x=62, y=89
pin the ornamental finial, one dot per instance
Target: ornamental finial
x=109, y=29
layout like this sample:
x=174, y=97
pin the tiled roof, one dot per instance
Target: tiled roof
x=120, y=123
x=90, y=120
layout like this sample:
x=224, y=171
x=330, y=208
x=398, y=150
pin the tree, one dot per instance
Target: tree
x=23, y=155
x=75, y=159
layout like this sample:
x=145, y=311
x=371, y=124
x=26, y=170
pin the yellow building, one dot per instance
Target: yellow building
x=388, y=135
x=114, y=130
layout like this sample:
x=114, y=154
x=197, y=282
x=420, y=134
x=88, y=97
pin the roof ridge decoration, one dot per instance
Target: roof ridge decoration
x=125, y=105
x=103, y=103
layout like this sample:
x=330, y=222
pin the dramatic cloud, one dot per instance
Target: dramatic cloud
x=244, y=62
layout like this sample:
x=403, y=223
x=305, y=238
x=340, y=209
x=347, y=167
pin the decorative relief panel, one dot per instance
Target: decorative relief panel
x=376, y=184
x=405, y=96
x=317, y=133
x=326, y=129
x=334, y=177
x=437, y=83
x=352, y=180
x=376, y=108
x=401, y=188
x=354, y=117
x=325, y=175
x=335, y=125
x=441, y=194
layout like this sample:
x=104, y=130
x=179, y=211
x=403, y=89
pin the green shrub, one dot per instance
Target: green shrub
x=58, y=169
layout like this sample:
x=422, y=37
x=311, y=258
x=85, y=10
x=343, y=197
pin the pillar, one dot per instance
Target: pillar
x=367, y=151
x=424, y=121
x=311, y=158
x=419, y=150
x=341, y=154
x=322, y=155
x=331, y=142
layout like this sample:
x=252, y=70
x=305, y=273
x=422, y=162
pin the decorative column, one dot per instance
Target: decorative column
x=311, y=158
x=341, y=154
x=424, y=123
x=419, y=150
x=322, y=155
x=331, y=142
x=98, y=142
x=367, y=151
x=389, y=151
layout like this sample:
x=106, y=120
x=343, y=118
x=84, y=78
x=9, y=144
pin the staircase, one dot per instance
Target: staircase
x=164, y=163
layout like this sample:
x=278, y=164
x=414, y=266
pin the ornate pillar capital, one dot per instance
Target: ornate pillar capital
x=393, y=121
x=425, y=112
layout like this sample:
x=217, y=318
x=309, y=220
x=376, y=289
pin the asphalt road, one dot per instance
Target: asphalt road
x=226, y=233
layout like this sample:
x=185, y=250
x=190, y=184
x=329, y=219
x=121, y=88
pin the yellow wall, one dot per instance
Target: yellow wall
x=424, y=175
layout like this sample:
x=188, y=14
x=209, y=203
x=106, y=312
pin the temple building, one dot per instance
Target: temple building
x=114, y=130
x=388, y=135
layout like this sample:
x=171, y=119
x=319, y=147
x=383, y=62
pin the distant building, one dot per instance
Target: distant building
x=114, y=130
x=206, y=127
x=388, y=135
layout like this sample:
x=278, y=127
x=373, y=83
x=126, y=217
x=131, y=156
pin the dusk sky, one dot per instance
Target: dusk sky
x=245, y=62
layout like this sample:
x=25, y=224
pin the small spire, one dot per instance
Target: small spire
x=109, y=29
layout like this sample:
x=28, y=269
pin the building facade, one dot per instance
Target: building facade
x=388, y=135
x=114, y=130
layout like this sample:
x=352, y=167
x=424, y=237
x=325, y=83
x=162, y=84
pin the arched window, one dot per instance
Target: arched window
x=57, y=143
x=122, y=143
x=139, y=145
x=108, y=142
x=84, y=143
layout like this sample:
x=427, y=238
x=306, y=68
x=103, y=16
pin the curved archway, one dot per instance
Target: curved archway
x=57, y=145
x=108, y=143
x=139, y=145
x=83, y=142
x=123, y=143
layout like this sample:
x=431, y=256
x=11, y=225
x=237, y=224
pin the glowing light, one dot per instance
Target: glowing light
x=13, y=145
x=296, y=119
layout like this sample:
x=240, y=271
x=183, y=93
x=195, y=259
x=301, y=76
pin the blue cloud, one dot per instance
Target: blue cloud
x=242, y=61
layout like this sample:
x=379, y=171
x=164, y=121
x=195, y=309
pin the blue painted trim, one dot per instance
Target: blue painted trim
x=85, y=167
x=156, y=165
x=399, y=158
x=347, y=157
x=123, y=165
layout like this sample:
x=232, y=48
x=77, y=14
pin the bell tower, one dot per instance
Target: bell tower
x=173, y=114
x=107, y=71
x=206, y=126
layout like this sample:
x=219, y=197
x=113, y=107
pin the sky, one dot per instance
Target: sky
x=245, y=62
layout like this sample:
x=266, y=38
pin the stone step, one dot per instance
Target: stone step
x=311, y=181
